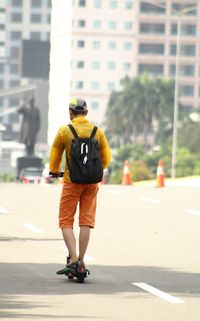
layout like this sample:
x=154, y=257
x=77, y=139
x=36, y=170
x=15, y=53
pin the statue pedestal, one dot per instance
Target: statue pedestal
x=28, y=161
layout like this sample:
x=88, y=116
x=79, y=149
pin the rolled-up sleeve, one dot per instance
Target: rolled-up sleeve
x=56, y=153
x=104, y=150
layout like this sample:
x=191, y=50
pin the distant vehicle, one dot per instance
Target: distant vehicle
x=31, y=175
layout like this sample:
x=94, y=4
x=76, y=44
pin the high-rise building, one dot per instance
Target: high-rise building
x=22, y=23
x=110, y=39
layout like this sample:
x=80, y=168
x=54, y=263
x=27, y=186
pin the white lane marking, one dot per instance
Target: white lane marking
x=4, y=210
x=191, y=211
x=149, y=199
x=159, y=293
x=32, y=228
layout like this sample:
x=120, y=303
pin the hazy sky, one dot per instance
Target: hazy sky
x=60, y=57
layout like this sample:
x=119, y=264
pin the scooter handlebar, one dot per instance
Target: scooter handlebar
x=56, y=175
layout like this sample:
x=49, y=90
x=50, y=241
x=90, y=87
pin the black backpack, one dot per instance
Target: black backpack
x=85, y=162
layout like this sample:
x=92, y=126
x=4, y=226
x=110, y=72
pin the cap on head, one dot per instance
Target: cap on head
x=78, y=104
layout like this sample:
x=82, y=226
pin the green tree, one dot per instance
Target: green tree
x=132, y=112
x=189, y=133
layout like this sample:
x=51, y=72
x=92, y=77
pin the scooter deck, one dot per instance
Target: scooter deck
x=80, y=276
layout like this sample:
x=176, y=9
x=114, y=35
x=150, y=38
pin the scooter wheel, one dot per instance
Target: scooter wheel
x=81, y=280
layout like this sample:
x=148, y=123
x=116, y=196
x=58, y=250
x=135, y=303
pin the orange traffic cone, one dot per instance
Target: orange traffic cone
x=160, y=180
x=126, y=178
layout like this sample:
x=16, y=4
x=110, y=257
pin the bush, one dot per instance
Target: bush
x=7, y=177
x=140, y=172
x=185, y=162
x=196, y=170
x=116, y=177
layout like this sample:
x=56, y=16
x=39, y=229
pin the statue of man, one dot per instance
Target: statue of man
x=30, y=126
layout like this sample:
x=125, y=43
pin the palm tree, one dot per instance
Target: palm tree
x=130, y=112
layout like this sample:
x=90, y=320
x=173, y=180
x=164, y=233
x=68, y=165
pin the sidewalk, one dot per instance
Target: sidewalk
x=192, y=181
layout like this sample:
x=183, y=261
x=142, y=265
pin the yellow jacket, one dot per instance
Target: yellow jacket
x=62, y=142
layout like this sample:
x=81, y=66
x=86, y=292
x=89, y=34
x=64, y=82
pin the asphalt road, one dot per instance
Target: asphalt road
x=144, y=256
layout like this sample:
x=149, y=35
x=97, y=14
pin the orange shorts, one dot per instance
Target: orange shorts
x=86, y=196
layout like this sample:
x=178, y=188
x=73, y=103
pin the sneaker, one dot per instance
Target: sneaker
x=69, y=269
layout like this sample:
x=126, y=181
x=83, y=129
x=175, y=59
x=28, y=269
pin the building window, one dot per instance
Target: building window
x=36, y=3
x=1, y=68
x=80, y=64
x=16, y=17
x=96, y=65
x=110, y=86
x=187, y=90
x=96, y=44
x=112, y=24
x=48, y=18
x=94, y=105
x=49, y=3
x=113, y=4
x=172, y=70
x=128, y=5
x=111, y=65
x=185, y=50
x=173, y=50
x=152, y=28
x=188, y=50
x=47, y=36
x=80, y=43
x=97, y=24
x=181, y=6
x=185, y=70
x=1, y=86
x=79, y=84
x=15, y=35
x=14, y=68
x=14, y=83
x=126, y=66
x=152, y=69
x=174, y=29
x=35, y=35
x=36, y=18
x=16, y=3
x=127, y=45
x=151, y=49
x=14, y=52
x=186, y=29
x=97, y=3
x=81, y=23
x=148, y=8
x=95, y=85
x=128, y=25
x=82, y=3
x=112, y=45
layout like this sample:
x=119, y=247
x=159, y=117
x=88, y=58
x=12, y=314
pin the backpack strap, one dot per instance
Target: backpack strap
x=73, y=131
x=76, y=135
x=94, y=132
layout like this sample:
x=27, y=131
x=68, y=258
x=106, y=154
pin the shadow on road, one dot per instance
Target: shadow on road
x=25, y=239
x=30, y=279
x=41, y=279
